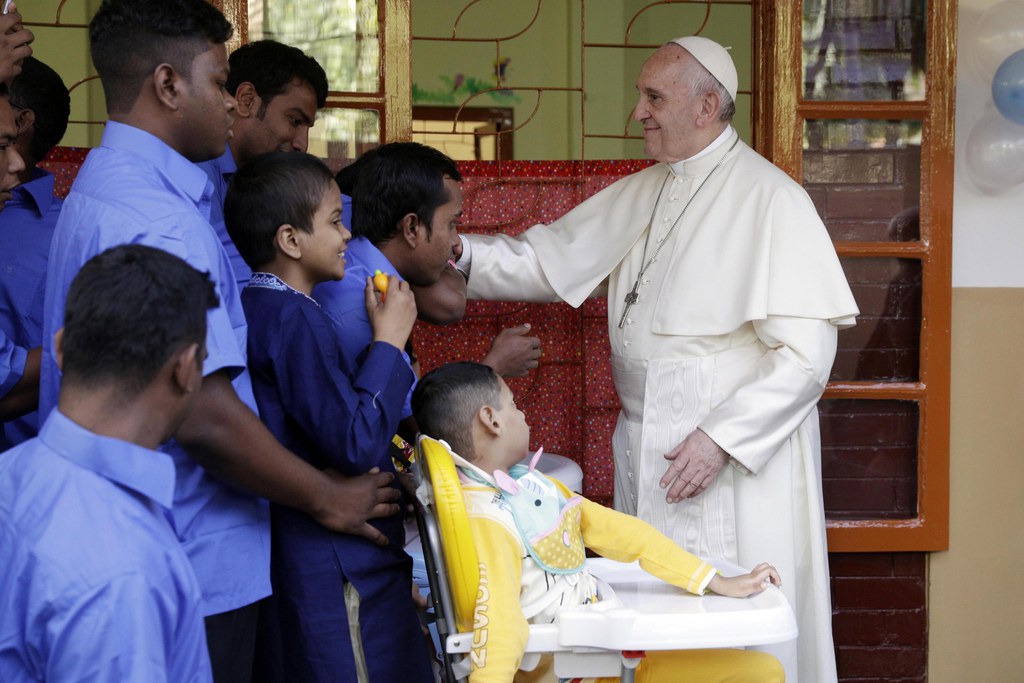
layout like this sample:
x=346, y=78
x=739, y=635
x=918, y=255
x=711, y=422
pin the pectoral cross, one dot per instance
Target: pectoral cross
x=630, y=299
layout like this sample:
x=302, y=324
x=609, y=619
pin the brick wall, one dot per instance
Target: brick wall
x=863, y=49
x=884, y=344
x=879, y=620
x=869, y=458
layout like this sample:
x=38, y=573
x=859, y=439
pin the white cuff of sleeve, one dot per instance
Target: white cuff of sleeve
x=466, y=259
x=743, y=469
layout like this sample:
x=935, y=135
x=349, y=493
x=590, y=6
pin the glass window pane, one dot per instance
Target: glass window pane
x=869, y=458
x=341, y=135
x=864, y=176
x=343, y=35
x=864, y=50
x=884, y=345
x=472, y=134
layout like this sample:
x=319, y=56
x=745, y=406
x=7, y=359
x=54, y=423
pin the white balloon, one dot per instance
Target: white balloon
x=994, y=154
x=998, y=33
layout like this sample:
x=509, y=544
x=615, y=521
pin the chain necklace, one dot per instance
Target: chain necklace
x=634, y=294
x=271, y=281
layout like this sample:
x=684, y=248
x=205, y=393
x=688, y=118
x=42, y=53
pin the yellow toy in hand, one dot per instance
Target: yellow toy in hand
x=380, y=281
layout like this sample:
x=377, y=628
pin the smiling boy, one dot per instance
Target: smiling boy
x=341, y=605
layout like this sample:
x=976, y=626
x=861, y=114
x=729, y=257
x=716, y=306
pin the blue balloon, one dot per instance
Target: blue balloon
x=1008, y=88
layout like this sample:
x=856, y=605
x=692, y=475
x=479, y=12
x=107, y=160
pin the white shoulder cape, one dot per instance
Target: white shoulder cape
x=751, y=245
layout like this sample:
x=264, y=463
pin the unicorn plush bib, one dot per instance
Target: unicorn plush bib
x=548, y=523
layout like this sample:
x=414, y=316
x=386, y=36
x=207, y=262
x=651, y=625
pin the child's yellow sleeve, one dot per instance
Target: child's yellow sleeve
x=500, y=630
x=625, y=538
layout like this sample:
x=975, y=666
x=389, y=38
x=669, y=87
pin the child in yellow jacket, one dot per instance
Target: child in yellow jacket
x=472, y=409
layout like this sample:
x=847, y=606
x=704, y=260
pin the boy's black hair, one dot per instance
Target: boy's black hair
x=446, y=400
x=40, y=88
x=128, y=310
x=130, y=38
x=348, y=175
x=270, y=66
x=395, y=180
x=269, y=191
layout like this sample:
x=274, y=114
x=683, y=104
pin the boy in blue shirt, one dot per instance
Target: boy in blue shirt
x=41, y=105
x=94, y=584
x=342, y=604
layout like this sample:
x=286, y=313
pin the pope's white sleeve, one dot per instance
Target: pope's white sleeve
x=505, y=268
x=754, y=421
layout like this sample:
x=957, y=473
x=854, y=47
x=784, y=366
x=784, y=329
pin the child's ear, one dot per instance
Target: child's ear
x=488, y=418
x=286, y=240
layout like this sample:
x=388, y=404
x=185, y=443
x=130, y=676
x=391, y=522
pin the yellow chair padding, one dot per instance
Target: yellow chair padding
x=459, y=552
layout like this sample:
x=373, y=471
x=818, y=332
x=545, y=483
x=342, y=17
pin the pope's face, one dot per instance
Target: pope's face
x=667, y=108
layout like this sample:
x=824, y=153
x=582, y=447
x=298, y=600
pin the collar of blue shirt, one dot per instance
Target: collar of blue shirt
x=147, y=472
x=364, y=254
x=176, y=169
x=38, y=191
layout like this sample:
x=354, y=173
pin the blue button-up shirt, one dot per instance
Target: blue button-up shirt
x=136, y=189
x=344, y=300
x=93, y=583
x=219, y=171
x=346, y=211
x=26, y=230
x=12, y=363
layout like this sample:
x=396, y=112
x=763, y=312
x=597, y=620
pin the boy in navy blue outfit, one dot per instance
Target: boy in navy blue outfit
x=341, y=604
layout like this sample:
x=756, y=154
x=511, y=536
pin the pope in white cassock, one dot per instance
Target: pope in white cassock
x=725, y=296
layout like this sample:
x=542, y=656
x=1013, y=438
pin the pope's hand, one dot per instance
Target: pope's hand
x=694, y=465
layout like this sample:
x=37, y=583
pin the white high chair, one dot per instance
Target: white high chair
x=637, y=612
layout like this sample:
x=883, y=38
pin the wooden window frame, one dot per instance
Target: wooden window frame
x=781, y=112
x=393, y=101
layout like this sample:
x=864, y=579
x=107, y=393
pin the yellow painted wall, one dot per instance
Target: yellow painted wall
x=976, y=613
x=547, y=53
x=66, y=50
